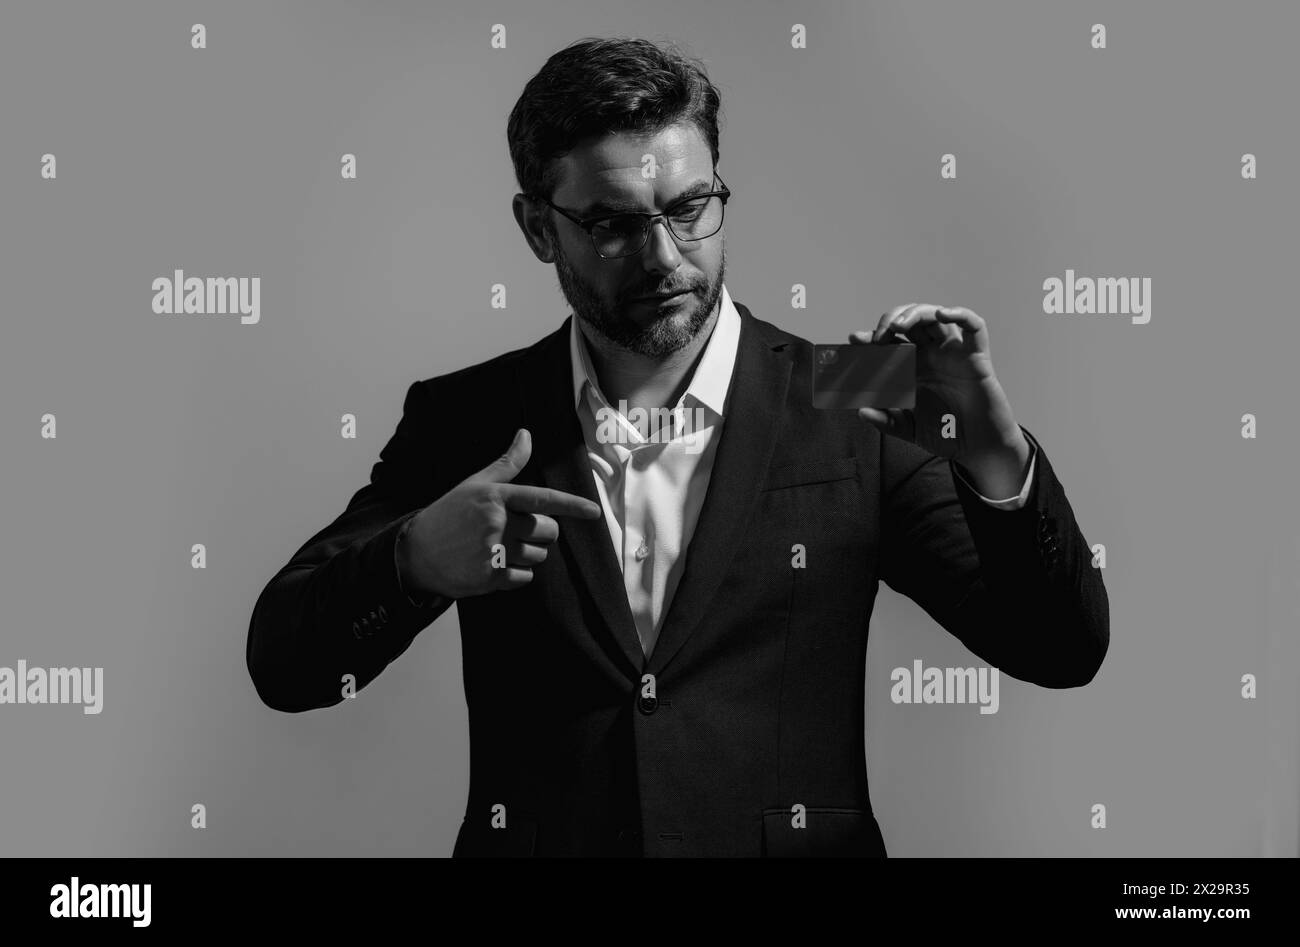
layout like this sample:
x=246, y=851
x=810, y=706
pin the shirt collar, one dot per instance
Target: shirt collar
x=712, y=375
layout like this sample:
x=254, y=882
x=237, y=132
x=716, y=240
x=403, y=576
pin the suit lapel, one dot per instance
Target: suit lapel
x=560, y=456
x=752, y=420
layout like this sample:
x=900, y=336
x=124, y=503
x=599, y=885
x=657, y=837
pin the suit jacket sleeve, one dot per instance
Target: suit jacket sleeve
x=1017, y=587
x=338, y=607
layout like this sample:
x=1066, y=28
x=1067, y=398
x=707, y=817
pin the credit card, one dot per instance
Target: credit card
x=864, y=375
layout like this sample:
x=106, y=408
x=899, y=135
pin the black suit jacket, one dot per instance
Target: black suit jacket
x=759, y=666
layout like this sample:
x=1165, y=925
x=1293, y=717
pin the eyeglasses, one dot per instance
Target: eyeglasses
x=624, y=234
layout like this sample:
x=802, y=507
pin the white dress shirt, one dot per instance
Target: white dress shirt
x=652, y=484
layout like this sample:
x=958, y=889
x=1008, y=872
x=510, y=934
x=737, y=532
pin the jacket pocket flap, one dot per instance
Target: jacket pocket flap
x=826, y=832
x=811, y=471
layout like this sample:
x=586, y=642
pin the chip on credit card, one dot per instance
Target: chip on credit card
x=864, y=375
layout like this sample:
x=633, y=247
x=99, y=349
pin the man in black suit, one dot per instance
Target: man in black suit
x=664, y=626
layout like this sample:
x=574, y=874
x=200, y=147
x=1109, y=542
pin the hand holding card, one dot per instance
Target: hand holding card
x=958, y=409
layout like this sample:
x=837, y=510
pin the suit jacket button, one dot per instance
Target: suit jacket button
x=647, y=705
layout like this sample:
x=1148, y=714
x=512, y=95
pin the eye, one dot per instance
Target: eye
x=690, y=210
x=619, y=226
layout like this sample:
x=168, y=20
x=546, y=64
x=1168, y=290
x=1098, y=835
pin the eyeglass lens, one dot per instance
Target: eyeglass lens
x=690, y=220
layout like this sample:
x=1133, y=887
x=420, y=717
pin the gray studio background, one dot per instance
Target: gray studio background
x=174, y=430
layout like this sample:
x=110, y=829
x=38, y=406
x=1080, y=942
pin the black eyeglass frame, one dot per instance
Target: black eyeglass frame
x=587, y=223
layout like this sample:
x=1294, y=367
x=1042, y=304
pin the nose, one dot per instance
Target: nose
x=660, y=253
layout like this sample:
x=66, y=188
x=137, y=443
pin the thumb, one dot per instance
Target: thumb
x=898, y=422
x=876, y=418
x=506, y=467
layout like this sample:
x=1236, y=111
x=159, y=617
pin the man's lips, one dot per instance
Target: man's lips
x=659, y=296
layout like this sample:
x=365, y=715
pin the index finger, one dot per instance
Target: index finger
x=886, y=318
x=522, y=498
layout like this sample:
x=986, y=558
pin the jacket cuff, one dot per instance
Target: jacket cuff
x=1011, y=503
x=392, y=604
x=400, y=538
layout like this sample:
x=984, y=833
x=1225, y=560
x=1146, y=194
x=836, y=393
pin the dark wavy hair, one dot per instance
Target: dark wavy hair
x=596, y=86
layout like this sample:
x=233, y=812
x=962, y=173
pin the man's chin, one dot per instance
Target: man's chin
x=650, y=331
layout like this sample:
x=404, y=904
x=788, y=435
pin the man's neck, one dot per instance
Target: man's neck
x=642, y=381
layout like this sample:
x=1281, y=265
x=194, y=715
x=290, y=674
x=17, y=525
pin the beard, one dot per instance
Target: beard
x=663, y=335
